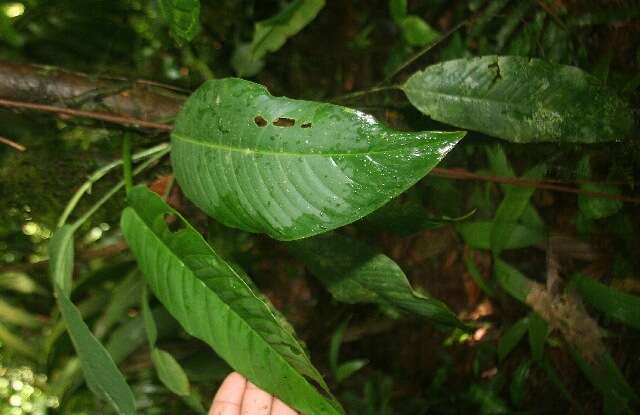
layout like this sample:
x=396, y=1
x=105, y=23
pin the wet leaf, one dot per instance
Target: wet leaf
x=520, y=99
x=183, y=17
x=355, y=273
x=271, y=34
x=290, y=168
x=215, y=302
x=615, y=304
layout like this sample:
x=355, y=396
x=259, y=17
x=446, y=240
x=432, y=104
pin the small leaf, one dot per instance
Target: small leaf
x=615, y=304
x=515, y=202
x=538, y=332
x=518, y=382
x=512, y=280
x=596, y=207
x=355, y=273
x=12, y=314
x=61, y=258
x=271, y=34
x=510, y=339
x=478, y=235
x=290, y=168
x=101, y=373
x=183, y=17
x=346, y=369
x=170, y=372
x=417, y=32
x=215, y=302
x=477, y=277
x=520, y=99
x=20, y=283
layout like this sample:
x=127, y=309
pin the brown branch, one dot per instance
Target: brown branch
x=102, y=116
x=460, y=174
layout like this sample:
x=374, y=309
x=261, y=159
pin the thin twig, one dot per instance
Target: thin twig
x=12, y=144
x=460, y=174
x=102, y=116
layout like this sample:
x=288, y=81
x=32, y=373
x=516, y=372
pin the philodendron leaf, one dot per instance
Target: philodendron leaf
x=100, y=372
x=290, y=168
x=272, y=33
x=183, y=17
x=355, y=273
x=214, y=302
x=520, y=99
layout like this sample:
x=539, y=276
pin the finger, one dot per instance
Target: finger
x=256, y=401
x=228, y=399
x=280, y=408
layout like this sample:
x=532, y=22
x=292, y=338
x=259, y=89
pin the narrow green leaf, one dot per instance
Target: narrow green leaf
x=355, y=273
x=538, y=332
x=61, y=258
x=20, y=283
x=149, y=322
x=183, y=17
x=398, y=10
x=512, y=280
x=520, y=99
x=170, y=372
x=615, y=304
x=214, y=302
x=101, y=373
x=271, y=34
x=290, y=168
x=478, y=235
x=14, y=342
x=477, y=277
x=513, y=205
x=510, y=339
x=12, y=314
x=348, y=368
x=417, y=32
x=517, y=388
x=124, y=295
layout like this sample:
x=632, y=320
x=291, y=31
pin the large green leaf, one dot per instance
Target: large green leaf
x=355, y=273
x=183, y=17
x=292, y=168
x=520, y=99
x=100, y=372
x=215, y=302
x=272, y=33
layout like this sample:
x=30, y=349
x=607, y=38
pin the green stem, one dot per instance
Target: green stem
x=119, y=186
x=98, y=174
x=126, y=162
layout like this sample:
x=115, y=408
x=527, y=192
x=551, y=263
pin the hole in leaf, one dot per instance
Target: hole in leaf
x=173, y=222
x=260, y=122
x=284, y=122
x=306, y=125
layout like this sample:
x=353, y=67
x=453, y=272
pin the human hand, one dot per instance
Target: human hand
x=238, y=396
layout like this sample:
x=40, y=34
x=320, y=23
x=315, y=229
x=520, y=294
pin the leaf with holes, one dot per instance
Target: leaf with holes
x=355, y=273
x=215, y=302
x=290, y=168
x=520, y=99
x=272, y=33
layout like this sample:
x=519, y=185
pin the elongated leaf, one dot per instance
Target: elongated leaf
x=291, y=168
x=520, y=99
x=618, y=305
x=12, y=314
x=61, y=258
x=517, y=389
x=512, y=280
x=511, y=337
x=214, y=301
x=170, y=372
x=474, y=272
x=515, y=202
x=538, y=332
x=355, y=273
x=20, y=283
x=272, y=33
x=478, y=235
x=100, y=372
x=183, y=17
x=595, y=207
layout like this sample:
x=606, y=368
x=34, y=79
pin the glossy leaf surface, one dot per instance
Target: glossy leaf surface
x=355, y=273
x=290, y=168
x=520, y=99
x=272, y=33
x=215, y=302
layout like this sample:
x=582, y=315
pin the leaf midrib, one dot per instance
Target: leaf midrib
x=231, y=310
x=247, y=150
